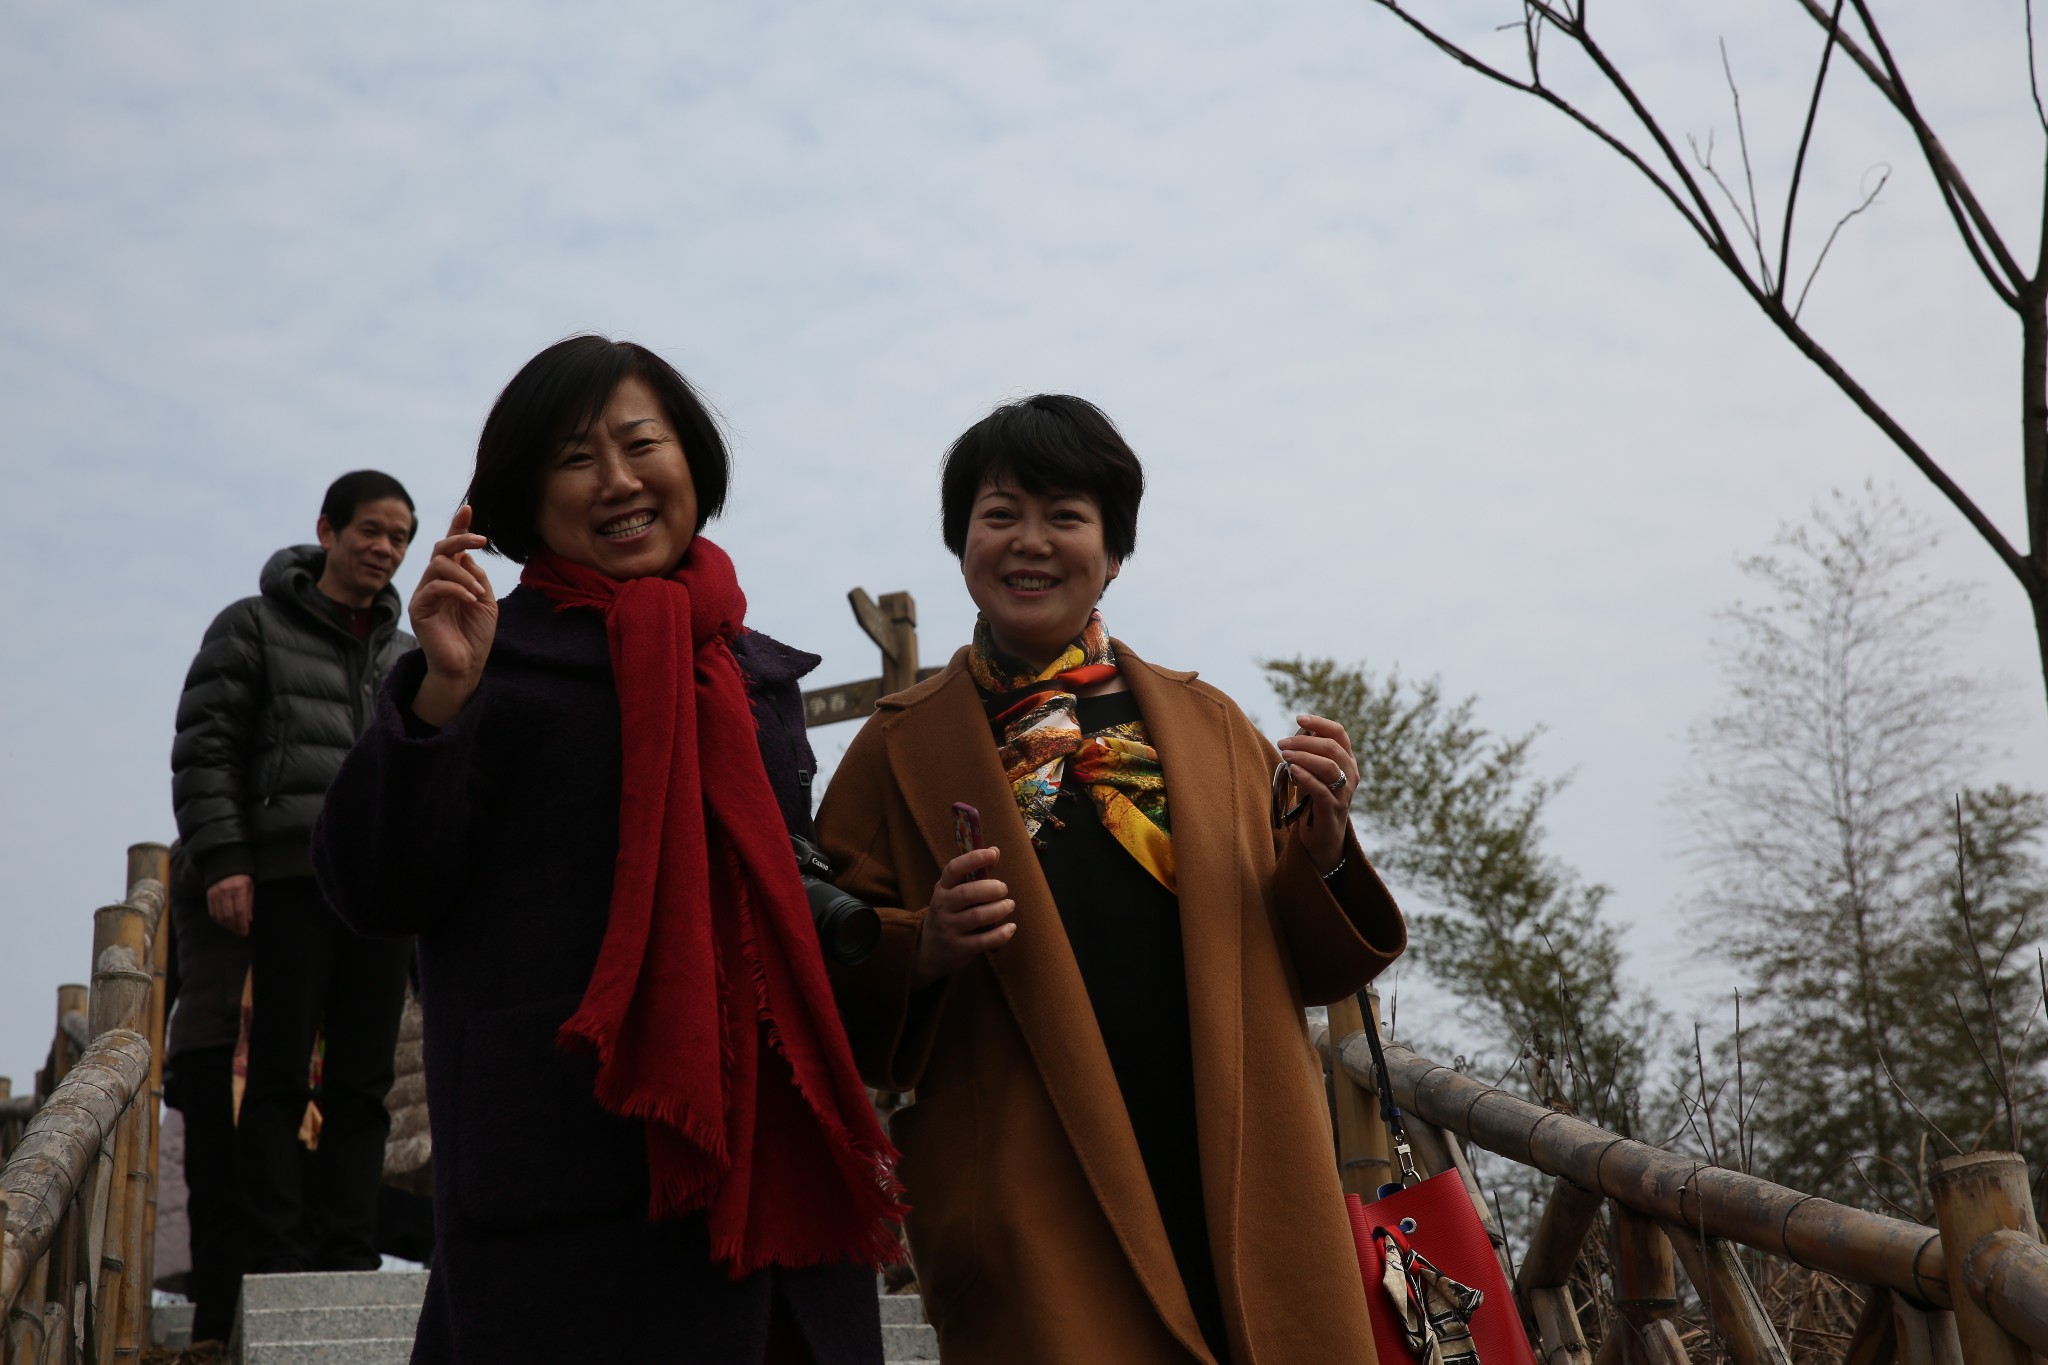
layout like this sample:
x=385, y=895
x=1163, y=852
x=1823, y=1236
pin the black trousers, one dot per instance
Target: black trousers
x=313, y=975
x=199, y=1083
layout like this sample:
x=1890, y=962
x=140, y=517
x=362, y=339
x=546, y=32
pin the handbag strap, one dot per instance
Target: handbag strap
x=1390, y=1113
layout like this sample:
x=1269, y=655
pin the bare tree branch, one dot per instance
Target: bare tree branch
x=1692, y=204
x=1820, y=80
x=1698, y=214
x=1855, y=1163
x=2000, y=270
x=1532, y=41
x=2013, y=560
x=1756, y=217
x=1705, y=161
x=1932, y=1126
x=2033, y=76
x=1828, y=245
x=1649, y=124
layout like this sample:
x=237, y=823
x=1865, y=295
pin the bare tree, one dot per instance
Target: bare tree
x=1732, y=226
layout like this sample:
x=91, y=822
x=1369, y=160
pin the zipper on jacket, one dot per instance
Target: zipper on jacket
x=276, y=768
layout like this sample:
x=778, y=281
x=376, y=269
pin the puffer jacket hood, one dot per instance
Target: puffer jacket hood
x=291, y=578
x=274, y=699
x=292, y=571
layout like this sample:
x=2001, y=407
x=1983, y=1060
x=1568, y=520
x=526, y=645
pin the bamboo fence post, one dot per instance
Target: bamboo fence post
x=1976, y=1194
x=1557, y=1326
x=72, y=1000
x=124, y=1342
x=1543, y=1282
x=121, y=989
x=1646, y=1291
x=1470, y=1177
x=1927, y=1336
x=25, y=1330
x=149, y=874
x=1364, y=1156
x=1732, y=1302
x=113, y=1258
x=2007, y=1272
x=81, y=1306
x=92, y=1206
x=149, y=862
x=1875, y=1338
x=56, y=1335
x=1554, y=1248
x=120, y=969
x=66, y=1251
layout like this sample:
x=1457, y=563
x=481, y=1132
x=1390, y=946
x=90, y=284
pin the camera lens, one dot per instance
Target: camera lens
x=848, y=929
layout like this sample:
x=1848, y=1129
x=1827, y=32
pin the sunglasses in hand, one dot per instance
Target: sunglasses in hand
x=1288, y=800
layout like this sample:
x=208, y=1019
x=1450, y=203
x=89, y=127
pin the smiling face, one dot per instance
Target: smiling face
x=1035, y=563
x=362, y=556
x=619, y=497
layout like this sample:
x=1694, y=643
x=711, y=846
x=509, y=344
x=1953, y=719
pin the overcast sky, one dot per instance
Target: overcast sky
x=1421, y=376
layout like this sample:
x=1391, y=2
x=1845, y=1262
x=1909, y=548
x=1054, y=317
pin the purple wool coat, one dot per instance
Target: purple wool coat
x=493, y=840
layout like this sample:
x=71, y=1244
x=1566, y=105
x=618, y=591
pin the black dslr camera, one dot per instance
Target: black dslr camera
x=848, y=929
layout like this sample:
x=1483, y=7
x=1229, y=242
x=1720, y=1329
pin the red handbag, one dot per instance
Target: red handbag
x=1449, y=1273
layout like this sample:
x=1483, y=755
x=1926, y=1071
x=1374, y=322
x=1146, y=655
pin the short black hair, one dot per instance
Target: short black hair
x=349, y=492
x=554, y=398
x=1047, y=443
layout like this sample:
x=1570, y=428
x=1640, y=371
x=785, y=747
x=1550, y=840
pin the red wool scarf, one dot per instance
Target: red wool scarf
x=709, y=1010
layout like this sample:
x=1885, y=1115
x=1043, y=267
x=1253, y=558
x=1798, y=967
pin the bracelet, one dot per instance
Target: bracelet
x=1330, y=877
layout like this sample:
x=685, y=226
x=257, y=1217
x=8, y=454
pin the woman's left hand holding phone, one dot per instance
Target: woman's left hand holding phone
x=969, y=916
x=455, y=616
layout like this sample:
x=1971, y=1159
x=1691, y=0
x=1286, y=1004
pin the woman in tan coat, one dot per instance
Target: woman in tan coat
x=1118, y=1150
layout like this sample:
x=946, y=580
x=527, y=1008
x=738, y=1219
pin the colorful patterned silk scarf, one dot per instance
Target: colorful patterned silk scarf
x=1036, y=719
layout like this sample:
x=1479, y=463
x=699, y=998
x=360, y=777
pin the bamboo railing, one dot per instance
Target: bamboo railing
x=1974, y=1289
x=79, y=1180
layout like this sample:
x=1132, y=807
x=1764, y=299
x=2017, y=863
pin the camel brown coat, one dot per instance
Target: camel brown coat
x=1035, y=1232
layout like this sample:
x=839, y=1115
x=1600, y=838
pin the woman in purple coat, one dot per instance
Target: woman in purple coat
x=649, y=1140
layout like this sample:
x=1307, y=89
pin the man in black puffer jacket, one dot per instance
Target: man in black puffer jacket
x=282, y=685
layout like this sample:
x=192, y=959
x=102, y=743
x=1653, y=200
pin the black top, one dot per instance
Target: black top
x=494, y=839
x=1125, y=931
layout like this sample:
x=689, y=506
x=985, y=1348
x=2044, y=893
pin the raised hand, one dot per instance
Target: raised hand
x=455, y=616
x=1326, y=773
x=969, y=915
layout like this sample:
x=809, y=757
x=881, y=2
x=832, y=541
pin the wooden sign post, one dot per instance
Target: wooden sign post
x=892, y=624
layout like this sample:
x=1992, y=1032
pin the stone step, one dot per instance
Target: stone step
x=909, y=1341
x=346, y=1322
x=367, y=1351
x=170, y=1325
x=368, y=1318
x=334, y=1289
x=364, y=1317
x=902, y=1308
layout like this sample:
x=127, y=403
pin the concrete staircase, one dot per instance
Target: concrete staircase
x=368, y=1318
x=352, y=1318
x=906, y=1336
x=170, y=1324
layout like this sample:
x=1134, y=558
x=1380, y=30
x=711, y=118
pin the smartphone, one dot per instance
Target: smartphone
x=967, y=831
